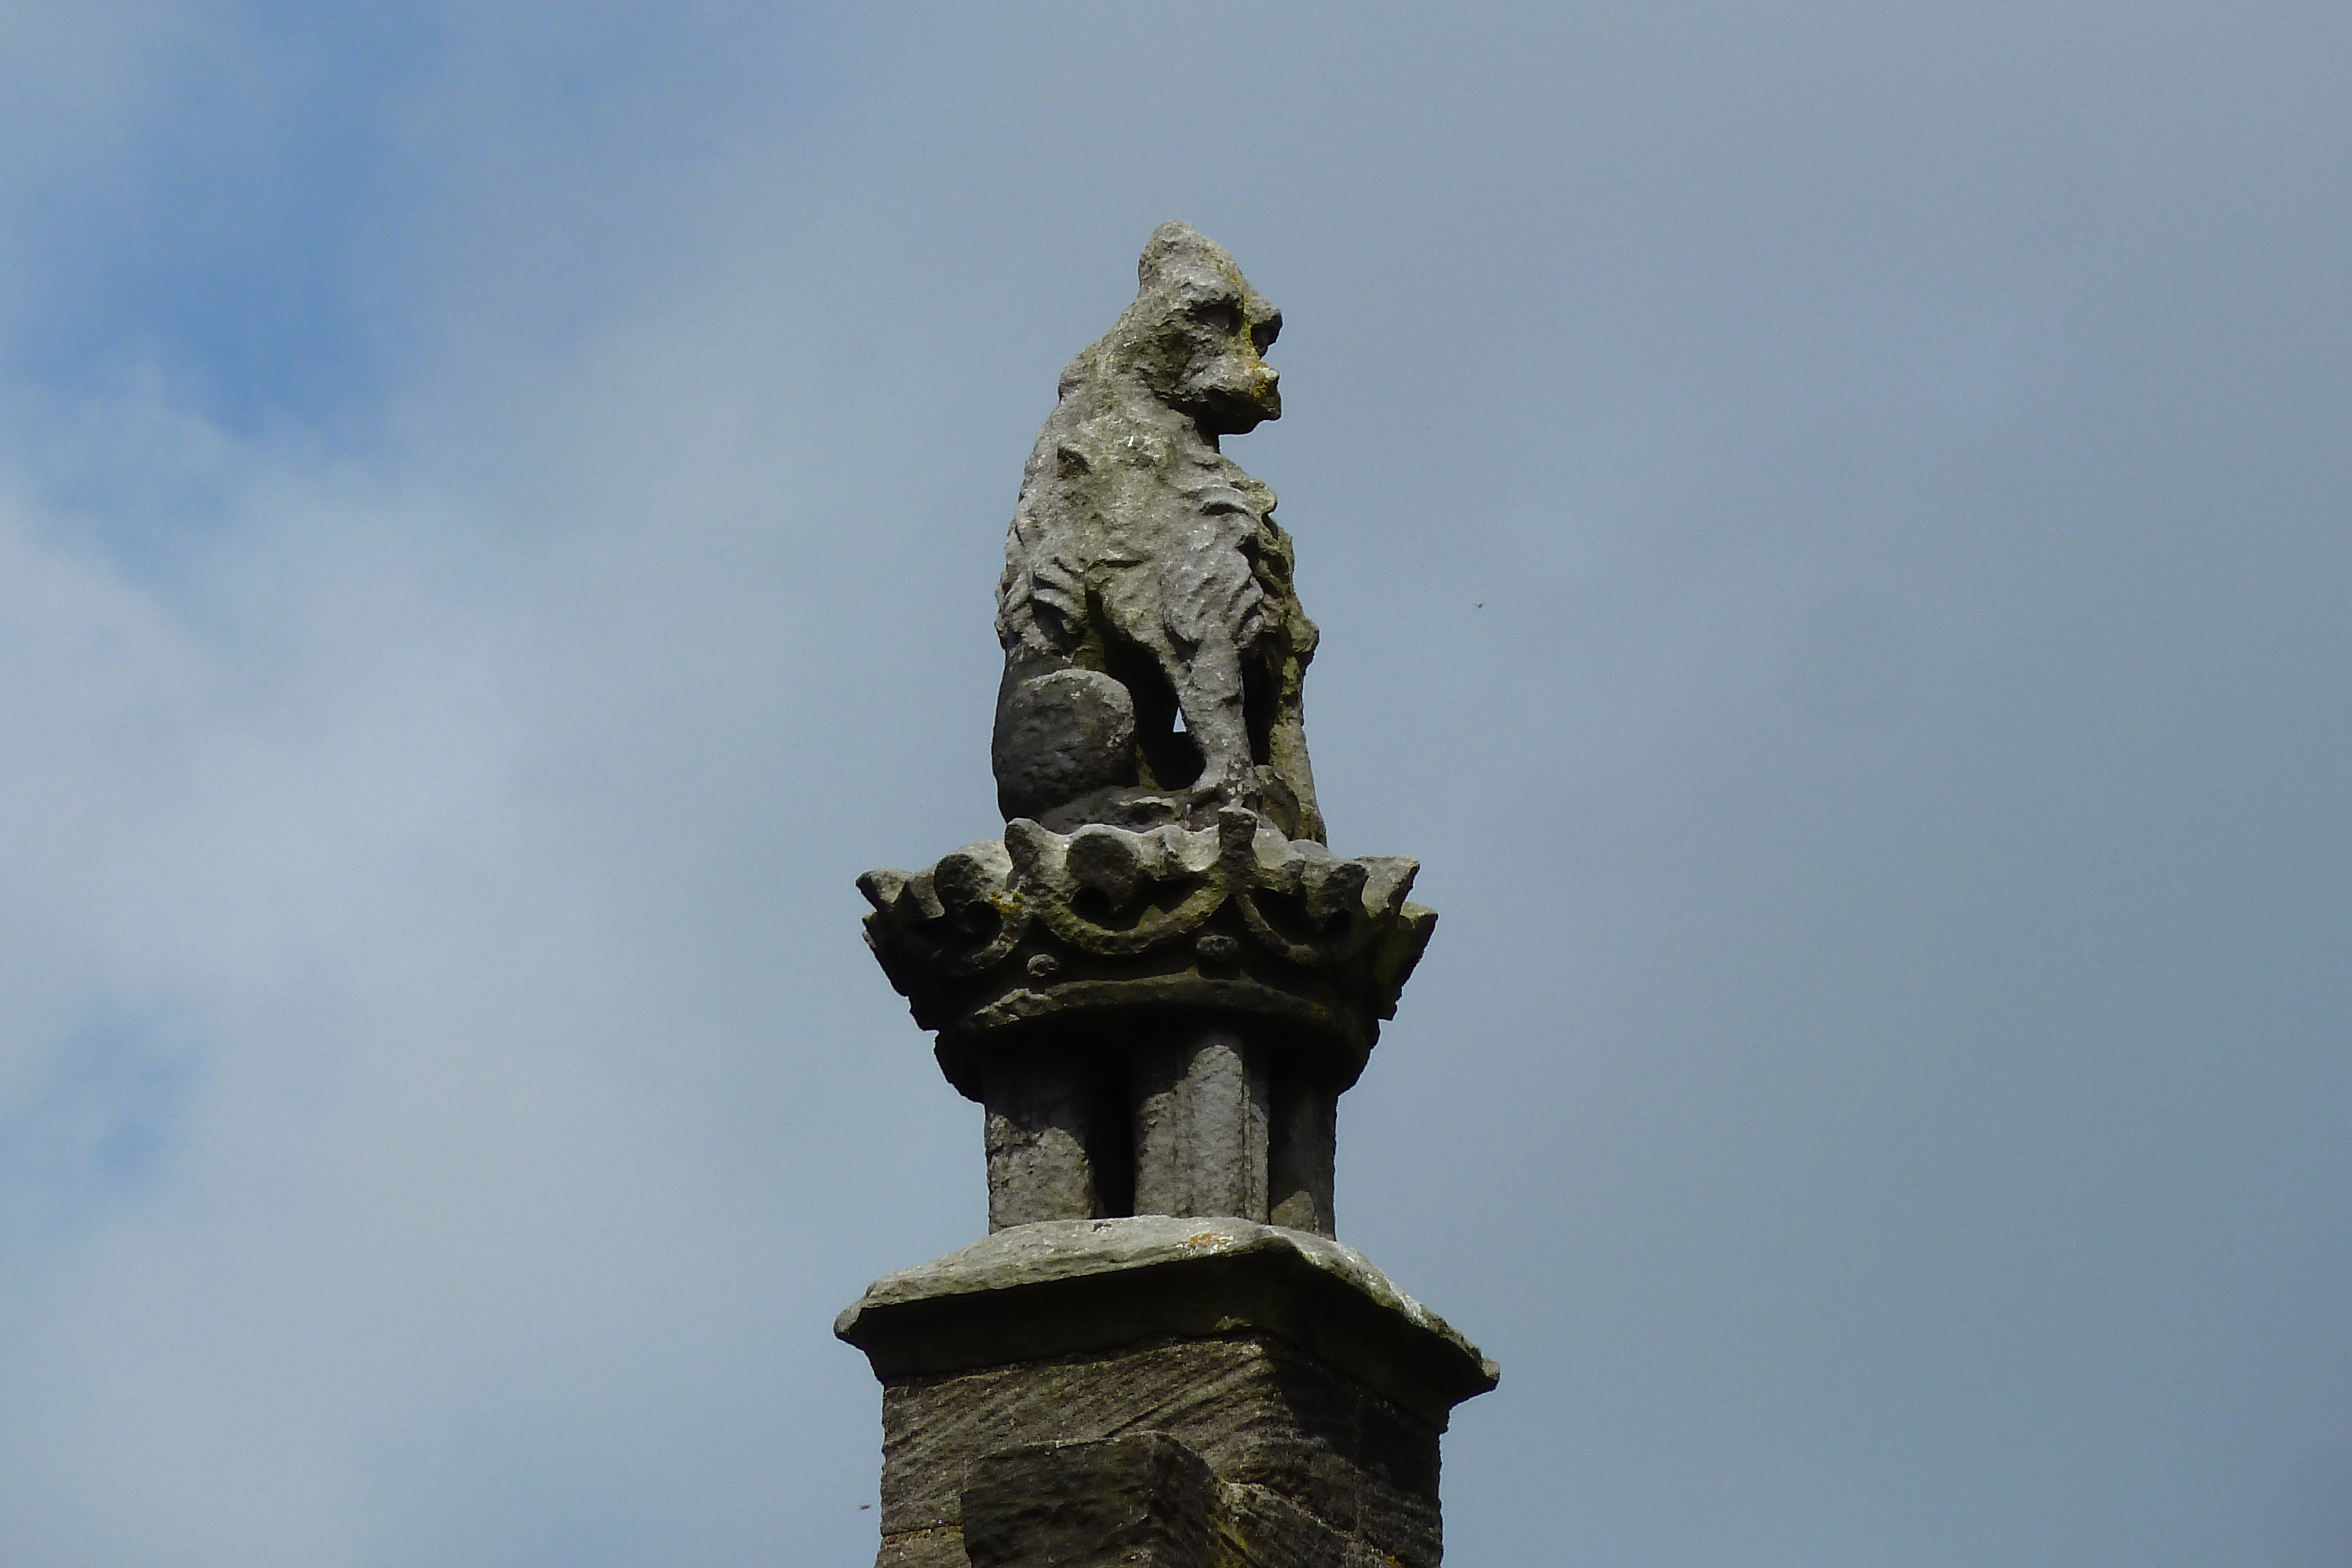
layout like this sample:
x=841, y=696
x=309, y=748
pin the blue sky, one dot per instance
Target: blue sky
x=1828, y=523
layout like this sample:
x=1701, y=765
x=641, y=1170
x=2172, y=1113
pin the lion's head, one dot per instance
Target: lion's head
x=1196, y=337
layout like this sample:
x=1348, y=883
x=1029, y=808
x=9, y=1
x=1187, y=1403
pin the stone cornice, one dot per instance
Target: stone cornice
x=1070, y=1287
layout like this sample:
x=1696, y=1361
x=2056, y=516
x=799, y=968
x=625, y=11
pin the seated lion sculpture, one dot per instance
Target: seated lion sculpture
x=1154, y=648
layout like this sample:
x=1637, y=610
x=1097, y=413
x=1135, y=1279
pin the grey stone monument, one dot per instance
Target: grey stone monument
x=1157, y=984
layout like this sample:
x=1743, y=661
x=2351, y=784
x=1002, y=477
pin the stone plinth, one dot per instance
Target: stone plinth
x=1161, y=1390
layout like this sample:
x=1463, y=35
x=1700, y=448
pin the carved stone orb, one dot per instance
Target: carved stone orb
x=1062, y=736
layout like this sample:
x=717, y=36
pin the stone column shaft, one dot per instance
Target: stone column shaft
x=1302, y=1147
x=1041, y=1138
x=1200, y=1125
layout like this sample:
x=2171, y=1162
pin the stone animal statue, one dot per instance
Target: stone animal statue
x=1154, y=647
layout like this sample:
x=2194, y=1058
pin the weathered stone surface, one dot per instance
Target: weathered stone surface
x=1105, y=926
x=1302, y=1147
x=1144, y=1500
x=1060, y=736
x=1084, y=960
x=1201, y=1118
x=939, y=1547
x=1258, y=1528
x=1141, y=552
x=1261, y=1414
x=1045, y=1130
x=1192, y=1117
x=1070, y=1287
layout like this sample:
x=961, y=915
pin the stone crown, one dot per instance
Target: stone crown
x=1002, y=938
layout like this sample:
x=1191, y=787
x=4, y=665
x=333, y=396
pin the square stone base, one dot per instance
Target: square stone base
x=1192, y=1394
x=1297, y=1459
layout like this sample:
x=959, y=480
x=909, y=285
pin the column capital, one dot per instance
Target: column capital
x=1044, y=931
